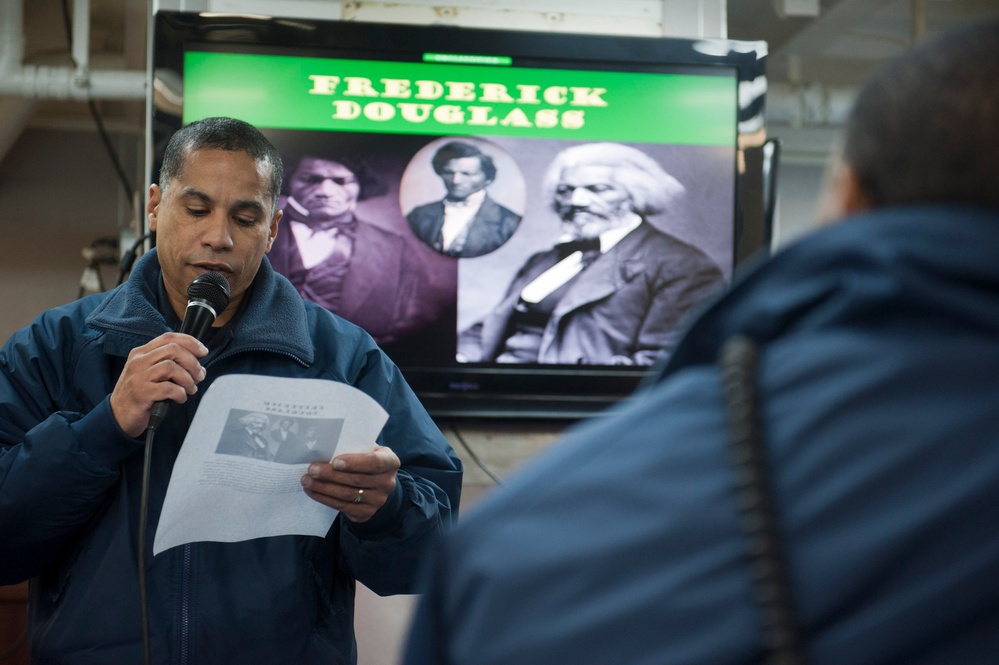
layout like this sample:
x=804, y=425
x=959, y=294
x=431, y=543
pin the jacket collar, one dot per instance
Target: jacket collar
x=274, y=319
x=899, y=266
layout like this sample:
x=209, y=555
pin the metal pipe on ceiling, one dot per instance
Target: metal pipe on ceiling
x=24, y=84
x=43, y=82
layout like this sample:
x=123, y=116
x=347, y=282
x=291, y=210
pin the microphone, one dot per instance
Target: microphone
x=207, y=297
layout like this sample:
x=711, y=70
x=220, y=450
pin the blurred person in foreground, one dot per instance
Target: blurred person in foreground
x=76, y=390
x=877, y=402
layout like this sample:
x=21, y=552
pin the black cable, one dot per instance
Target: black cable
x=783, y=641
x=115, y=161
x=482, y=465
x=141, y=547
x=98, y=120
x=128, y=257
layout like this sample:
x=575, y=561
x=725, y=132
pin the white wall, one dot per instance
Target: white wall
x=58, y=193
x=678, y=18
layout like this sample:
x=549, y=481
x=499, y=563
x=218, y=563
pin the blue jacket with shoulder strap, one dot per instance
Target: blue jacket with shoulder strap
x=879, y=398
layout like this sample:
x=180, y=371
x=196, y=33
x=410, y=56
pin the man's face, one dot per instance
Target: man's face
x=214, y=216
x=589, y=201
x=327, y=189
x=463, y=177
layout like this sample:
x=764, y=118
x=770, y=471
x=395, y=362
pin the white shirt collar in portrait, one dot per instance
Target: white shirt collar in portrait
x=314, y=246
x=552, y=279
x=296, y=206
x=459, y=214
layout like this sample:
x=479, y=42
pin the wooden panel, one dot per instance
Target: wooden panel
x=13, y=601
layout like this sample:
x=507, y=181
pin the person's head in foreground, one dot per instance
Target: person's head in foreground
x=864, y=366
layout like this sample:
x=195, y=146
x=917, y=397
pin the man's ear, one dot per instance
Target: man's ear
x=842, y=194
x=152, y=205
x=272, y=232
x=854, y=198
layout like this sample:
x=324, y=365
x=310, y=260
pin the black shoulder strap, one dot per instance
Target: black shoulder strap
x=783, y=642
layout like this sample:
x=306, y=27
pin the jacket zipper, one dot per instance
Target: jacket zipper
x=186, y=574
x=185, y=605
x=228, y=354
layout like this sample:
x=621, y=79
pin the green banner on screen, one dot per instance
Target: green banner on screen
x=284, y=92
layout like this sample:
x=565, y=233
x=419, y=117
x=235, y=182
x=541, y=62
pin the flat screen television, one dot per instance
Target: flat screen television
x=381, y=100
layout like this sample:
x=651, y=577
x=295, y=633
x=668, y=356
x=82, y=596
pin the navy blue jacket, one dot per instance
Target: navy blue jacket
x=70, y=485
x=879, y=390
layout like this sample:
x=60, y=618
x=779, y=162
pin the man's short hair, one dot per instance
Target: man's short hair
x=649, y=187
x=926, y=128
x=222, y=134
x=458, y=149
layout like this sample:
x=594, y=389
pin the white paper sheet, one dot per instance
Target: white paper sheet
x=219, y=492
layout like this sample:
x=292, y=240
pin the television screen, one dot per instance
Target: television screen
x=434, y=176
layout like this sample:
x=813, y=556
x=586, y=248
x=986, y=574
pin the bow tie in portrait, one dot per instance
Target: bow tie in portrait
x=566, y=248
x=341, y=226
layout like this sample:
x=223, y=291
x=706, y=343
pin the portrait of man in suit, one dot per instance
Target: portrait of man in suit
x=286, y=431
x=364, y=271
x=298, y=449
x=246, y=435
x=317, y=441
x=467, y=222
x=615, y=289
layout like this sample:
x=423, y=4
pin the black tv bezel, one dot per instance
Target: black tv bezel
x=481, y=390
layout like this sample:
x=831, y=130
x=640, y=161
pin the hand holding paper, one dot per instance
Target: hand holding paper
x=356, y=484
x=240, y=473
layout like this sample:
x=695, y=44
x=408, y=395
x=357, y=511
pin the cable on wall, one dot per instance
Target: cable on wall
x=98, y=120
x=475, y=458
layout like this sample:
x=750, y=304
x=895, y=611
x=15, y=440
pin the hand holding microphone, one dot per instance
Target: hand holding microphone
x=167, y=369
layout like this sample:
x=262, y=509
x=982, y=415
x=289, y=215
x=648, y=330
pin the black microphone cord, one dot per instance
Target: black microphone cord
x=143, y=516
x=207, y=297
x=128, y=257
